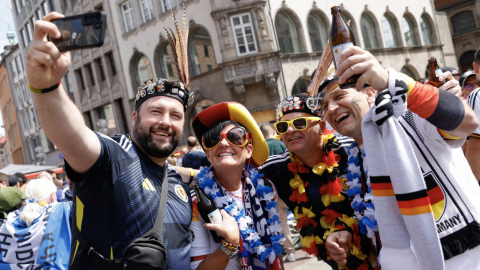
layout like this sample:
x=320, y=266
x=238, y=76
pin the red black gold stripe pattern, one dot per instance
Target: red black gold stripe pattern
x=381, y=186
x=415, y=203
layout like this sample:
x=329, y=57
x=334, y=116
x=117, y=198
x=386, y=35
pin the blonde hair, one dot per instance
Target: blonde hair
x=41, y=190
x=45, y=175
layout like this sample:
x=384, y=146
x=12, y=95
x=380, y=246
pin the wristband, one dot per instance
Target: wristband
x=43, y=91
x=229, y=245
x=191, y=177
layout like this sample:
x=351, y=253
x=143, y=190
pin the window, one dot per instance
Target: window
x=89, y=69
x=199, y=61
x=128, y=16
x=407, y=72
x=426, y=30
x=13, y=66
x=144, y=70
x=39, y=14
x=100, y=67
x=24, y=38
x=46, y=9
x=167, y=5
x=408, y=32
x=34, y=119
x=205, y=50
x=166, y=63
x=209, y=67
x=19, y=68
x=287, y=33
x=389, y=32
x=112, y=64
x=147, y=10
x=17, y=4
x=300, y=86
x=463, y=22
x=244, y=36
x=106, y=112
x=317, y=32
x=368, y=32
x=78, y=74
x=30, y=33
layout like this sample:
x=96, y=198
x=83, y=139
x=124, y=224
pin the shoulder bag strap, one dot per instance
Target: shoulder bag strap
x=97, y=259
x=158, y=226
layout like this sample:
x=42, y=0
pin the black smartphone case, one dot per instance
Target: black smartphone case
x=80, y=31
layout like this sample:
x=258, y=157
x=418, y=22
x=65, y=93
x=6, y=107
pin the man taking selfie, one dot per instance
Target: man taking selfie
x=117, y=180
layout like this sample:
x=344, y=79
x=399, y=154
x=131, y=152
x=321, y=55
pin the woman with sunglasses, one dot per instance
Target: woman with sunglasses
x=250, y=228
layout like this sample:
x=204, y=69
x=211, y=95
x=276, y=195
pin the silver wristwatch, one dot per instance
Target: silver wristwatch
x=230, y=253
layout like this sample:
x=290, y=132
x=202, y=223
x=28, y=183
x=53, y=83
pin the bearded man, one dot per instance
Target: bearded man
x=407, y=138
x=117, y=180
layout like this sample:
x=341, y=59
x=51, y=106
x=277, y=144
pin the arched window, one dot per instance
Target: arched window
x=143, y=70
x=300, y=86
x=410, y=73
x=200, y=106
x=368, y=32
x=287, y=33
x=317, y=32
x=348, y=18
x=466, y=60
x=167, y=64
x=389, y=32
x=201, y=52
x=426, y=30
x=408, y=31
x=463, y=22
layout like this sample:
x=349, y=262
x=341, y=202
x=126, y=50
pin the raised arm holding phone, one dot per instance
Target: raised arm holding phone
x=118, y=180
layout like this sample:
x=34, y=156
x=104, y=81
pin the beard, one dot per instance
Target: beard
x=144, y=138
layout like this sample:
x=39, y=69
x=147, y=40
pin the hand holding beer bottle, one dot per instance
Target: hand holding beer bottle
x=355, y=66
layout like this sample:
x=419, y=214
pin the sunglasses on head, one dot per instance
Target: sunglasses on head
x=236, y=136
x=299, y=123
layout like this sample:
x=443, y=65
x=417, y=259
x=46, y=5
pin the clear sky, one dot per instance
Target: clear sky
x=5, y=20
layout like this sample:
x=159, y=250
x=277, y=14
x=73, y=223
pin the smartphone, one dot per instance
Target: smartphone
x=80, y=31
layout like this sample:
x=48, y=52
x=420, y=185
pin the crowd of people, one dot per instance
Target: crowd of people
x=374, y=174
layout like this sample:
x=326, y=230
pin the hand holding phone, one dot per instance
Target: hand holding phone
x=80, y=31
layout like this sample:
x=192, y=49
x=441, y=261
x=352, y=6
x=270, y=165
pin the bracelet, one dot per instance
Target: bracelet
x=43, y=91
x=229, y=245
x=191, y=177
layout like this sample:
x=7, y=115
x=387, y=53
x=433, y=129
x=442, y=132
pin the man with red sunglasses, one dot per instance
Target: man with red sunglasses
x=310, y=179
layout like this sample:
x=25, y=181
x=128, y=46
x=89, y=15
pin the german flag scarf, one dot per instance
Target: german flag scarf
x=402, y=205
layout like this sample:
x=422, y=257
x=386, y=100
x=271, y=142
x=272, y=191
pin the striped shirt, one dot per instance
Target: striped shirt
x=117, y=201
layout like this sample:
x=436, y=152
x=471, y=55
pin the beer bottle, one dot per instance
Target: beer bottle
x=341, y=37
x=208, y=211
x=435, y=72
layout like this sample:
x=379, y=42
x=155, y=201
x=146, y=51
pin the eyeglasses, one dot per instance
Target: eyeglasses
x=236, y=136
x=299, y=123
x=470, y=86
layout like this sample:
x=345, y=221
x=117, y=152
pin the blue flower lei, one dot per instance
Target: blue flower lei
x=250, y=237
x=364, y=211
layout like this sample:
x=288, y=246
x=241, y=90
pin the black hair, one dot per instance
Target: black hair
x=21, y=175
x=216, y=128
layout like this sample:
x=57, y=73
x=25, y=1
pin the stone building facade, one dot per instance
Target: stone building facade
x=464, y=24
x=256, y=52
x=13, y=149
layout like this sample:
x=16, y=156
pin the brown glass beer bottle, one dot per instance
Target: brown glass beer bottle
x=208, y=211
x=341, y=37
x=435, y=72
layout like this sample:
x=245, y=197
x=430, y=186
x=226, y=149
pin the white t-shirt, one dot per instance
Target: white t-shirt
x=474, y=101
x=453, y=190
x=203, y=243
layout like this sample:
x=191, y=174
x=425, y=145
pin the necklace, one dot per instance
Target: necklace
x=307, y=221
x=255, y=229
x=363, y=207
